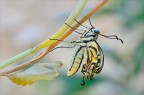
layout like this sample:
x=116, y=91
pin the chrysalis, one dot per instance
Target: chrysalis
x=39, y=71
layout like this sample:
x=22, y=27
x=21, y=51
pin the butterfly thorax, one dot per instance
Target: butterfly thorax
x=89, y=36
x=92, y=33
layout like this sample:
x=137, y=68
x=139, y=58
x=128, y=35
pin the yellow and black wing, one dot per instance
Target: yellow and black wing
x=96, y=56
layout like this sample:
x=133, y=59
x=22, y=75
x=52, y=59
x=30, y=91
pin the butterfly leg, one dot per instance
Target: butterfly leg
x=83, y=81
x=60, y=47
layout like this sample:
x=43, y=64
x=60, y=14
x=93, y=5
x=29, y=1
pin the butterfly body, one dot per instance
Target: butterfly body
x=87, y=45
x=87, y=52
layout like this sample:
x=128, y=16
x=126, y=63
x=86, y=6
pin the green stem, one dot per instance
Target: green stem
x=17, y=57
x=75, y=13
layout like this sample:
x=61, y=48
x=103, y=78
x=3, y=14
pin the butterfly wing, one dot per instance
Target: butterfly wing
x=96, y=56
x=78, y=56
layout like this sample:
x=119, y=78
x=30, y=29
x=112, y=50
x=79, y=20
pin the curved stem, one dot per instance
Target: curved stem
x=29, y=63
x=75, y=13
x=78, y=9
x=97, y=7
x=17, y=57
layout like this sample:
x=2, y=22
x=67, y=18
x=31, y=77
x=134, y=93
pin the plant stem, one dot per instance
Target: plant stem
x=26, y=64
x=64, y=28
x=75, y=13
x=17, y=57
x=97, y=7
x=88, y=15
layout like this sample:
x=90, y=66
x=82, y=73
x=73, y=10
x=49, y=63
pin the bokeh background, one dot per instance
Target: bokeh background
x=26, y=23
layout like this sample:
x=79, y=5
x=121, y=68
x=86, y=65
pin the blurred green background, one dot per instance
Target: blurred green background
x=25, y=23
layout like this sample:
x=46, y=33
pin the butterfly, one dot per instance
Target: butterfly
x=87, y=53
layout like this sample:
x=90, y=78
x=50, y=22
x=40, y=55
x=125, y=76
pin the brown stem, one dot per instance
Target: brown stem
x=88, y=15
x=33, y=61
x=29, y=63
